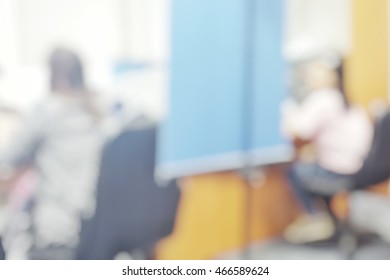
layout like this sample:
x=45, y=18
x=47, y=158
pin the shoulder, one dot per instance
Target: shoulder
x=329, y=98
x=330, y=95
x=44, y=110
x=359, y=113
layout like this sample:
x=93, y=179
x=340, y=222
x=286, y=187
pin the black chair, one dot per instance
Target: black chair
x=375, y=170
x=132, y=212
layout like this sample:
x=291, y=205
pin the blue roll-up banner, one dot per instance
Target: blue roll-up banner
x=227, y=83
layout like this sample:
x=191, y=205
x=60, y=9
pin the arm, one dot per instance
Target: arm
x=306, y=120
x=20, y=154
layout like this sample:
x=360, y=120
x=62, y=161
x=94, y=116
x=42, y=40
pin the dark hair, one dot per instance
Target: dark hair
x=67, y=76
x=340, y=73
x=67, y=71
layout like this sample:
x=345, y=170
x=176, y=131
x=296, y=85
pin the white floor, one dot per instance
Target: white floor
x=281, y=250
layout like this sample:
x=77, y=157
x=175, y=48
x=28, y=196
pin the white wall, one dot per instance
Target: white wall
x=20, y=84
x=146, y=27
x=89, y=26
x=101, y=31
x=9, y=35
x=317, y=25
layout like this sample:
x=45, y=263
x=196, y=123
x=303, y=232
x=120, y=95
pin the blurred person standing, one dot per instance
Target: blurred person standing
x=341, y=135
x=61, y=141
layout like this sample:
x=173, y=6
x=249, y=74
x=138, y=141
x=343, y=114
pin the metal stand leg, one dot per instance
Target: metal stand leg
x=247, y=221
x=252, y=179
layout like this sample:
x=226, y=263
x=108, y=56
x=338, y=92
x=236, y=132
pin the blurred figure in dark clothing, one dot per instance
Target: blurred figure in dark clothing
x=132, y=212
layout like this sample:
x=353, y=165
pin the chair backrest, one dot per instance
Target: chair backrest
x=376, y=167
x=132, y=211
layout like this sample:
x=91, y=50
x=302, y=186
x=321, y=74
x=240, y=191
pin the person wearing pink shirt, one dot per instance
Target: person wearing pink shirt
x=341, y=135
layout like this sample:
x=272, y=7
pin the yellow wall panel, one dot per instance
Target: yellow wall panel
x=366, y=70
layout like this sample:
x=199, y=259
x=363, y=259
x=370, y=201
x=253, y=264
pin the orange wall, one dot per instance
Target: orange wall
x=211, y=218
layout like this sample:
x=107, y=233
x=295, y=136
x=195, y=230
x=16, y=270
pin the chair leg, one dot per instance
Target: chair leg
x=347, y=240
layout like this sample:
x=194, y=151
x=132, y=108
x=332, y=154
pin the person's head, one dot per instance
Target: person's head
x=319, y=74
x=67, y=76
x=324, y=72
x=66, y=71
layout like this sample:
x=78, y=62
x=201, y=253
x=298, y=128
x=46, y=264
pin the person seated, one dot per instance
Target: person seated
x=61, y=142
x=341, y=136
